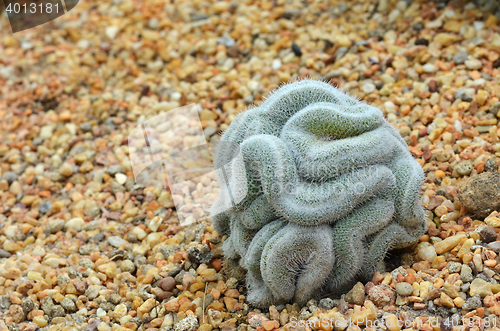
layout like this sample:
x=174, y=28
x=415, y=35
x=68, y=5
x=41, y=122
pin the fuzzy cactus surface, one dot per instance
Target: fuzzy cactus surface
x=331, y=188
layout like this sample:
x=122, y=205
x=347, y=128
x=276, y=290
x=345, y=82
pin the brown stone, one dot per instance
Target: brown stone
x=480, y=194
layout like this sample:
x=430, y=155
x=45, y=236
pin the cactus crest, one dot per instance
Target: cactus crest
x=331, y=188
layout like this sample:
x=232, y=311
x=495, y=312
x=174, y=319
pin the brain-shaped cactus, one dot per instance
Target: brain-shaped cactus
x=331, y=188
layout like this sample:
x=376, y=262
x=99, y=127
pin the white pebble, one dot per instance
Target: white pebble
x=121, y=178
x=71, y=127
x=100, y=312
x=430, y=68
x=252, y=85
x=26, y=45
x=473, y=64
x=83, y=43
x=175, y=96
x=154, y=224
x=276, y=64
x=394, y=15
x=427, y=253
x=140, y=233
x=390, y=107
x=478, y=25
x=75, y=223
x=368, y=88
x=46, y=131
x=111, y=31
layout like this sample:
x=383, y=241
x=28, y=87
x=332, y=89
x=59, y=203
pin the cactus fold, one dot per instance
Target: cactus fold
x=331, y=188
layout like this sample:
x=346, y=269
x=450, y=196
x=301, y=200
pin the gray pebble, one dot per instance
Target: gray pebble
x=114, y=298
x=341, y=52
x=92, y=291
x=454, y=267
x=115, y=187
x=209, y=131
x=483, y=277
x=326, y=303
x=73, y=273
x=86, y=127
x=45, y=207
x=404, y=288
x=98, y=237
x=494, y=246
x=140, y=260
x=472, y=303
x=92, y=225
x=127, y=266
x=232, y=283
x=114, y=169
x=58, y=311
x=55, y=226
x=46, y=304
x=463, y=95
x=174, y=272
x=116, y=241
x=463, y=168
x=460, y=57
x=491, y=165
x=495, y=108
x=226, y=41
x=88, y=249
x=4, y=303
x=68, y=305
x=187, y=324
x=198, y=17
x=10, y=177
x=168, y=250
x=466, y=273
x=86, y=263
x=94, y=212
x=107, y=306
x=431, y=307
x=62, y=280
x=27, y=305
x=488, y=234
x=4, y=253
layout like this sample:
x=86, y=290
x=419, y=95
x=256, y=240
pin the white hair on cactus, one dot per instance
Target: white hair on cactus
x=331, y=188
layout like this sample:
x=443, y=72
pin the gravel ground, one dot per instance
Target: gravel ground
x=82, y=247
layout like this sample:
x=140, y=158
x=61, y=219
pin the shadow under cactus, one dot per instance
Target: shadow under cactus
x=331, y=188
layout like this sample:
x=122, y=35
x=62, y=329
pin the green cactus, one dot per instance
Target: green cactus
x=331, y=188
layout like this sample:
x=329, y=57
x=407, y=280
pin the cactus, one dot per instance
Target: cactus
x=331, y=188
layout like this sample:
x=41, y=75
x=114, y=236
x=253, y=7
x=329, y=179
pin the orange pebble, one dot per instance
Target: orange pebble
x=490, y=263
x=217, y=264
x=439, y=173
x=178, y=257
x=424, y=238
x=215, y=294
x=410, y=278
x=475, y=74
x=44, y=194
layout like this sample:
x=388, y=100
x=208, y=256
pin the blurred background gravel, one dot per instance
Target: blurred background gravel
x=82, y=247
